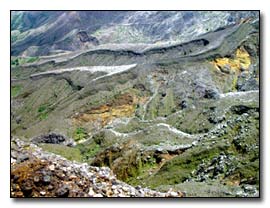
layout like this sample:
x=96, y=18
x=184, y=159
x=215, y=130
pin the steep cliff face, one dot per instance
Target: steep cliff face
x=181, y=115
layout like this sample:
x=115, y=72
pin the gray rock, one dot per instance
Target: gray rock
x=250, y=84
x=184, y=104
x=36, y=179
x=63, y=191
x=172, y=194
x=46, y=179
x=211, y=94
x=18, y=119
x=226, y=69
x=22, y=158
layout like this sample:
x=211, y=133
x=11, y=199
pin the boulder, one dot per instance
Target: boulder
x=53, y=138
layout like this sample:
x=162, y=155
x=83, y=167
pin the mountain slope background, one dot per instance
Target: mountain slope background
x=42, y=33
x=167, y=99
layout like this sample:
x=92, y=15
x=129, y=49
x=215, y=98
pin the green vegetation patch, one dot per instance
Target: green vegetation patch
x=128, y=166
x=41, y=108
x=17, y=61
x=43, y=112
x=69, y=153
x=140, y=172
x=79, y=134
x=88, y=151
x=179, y=168
x=168, y=105
x=15, y=90
x=152, y=108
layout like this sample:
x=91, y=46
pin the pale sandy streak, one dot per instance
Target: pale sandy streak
x=109, y=70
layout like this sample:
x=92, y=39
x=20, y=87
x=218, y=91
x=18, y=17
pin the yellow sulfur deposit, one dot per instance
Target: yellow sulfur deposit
x=241, y=61
x=106, y=114
x=123, y=106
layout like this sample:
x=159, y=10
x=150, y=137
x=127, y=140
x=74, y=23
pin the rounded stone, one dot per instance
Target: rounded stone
x=47, y=179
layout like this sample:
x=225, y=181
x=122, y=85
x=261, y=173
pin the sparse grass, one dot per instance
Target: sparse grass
x=168, y=105
x=142, y=171
x=43, y=113
x=128, y=166
x=17, y=61
x=43, y=116
x=69, y=153
x=15, y=90
x=179, y=169
x=41, y=108
x=88, y=151
x=234, y=83
x=152, y=108
x=79, y=134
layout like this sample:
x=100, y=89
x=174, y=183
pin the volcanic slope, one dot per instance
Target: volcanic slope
x=182, y=116
x=39, y=33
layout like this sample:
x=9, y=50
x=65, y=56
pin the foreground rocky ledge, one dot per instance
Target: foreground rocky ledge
x=35, y=173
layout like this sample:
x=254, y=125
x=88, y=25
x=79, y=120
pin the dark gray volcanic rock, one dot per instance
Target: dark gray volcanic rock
x=53, y=138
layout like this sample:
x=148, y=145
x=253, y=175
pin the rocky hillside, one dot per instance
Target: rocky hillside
x=42, y=33
x=179, y=116
x=36, y=173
